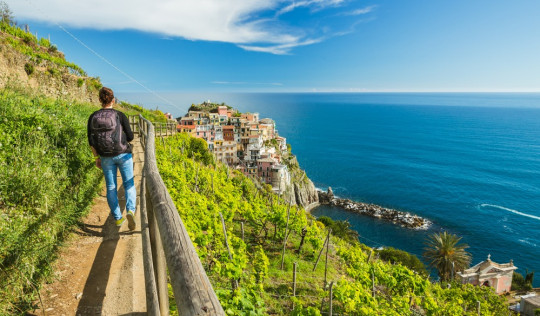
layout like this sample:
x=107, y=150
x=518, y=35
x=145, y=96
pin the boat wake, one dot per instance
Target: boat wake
x=511, y=210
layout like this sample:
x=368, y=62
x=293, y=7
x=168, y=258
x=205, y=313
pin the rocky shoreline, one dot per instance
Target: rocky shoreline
x=403, y=219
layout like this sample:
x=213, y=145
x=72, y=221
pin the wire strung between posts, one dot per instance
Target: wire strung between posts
x=103, y=58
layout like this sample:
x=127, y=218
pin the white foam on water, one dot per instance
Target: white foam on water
x=511, y=210
x=525, y=241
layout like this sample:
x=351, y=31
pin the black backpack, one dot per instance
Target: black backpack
x=107, y=134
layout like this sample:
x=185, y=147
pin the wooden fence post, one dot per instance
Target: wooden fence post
x=286, y=236
x=372, y=283
x=158, y=258
x=478, y=307
x=320, y=252
x=233, y=282
x=152, y=303
x=295, y=265
x=330, y=298
x=326, y=260
x=242, y=225
x=192, y=289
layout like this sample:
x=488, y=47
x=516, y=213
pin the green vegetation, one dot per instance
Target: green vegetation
x=409, y=260
x=133, y=109
x=29, y=68
x=47, y=181
x=444, y=253
x=341, y=229
x=363, y=285
x=537, y=312
x=208, y=107
x=6, y=16
x=28, y=44
x=522, y=284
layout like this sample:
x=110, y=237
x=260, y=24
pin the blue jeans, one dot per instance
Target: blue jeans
x=110, y=165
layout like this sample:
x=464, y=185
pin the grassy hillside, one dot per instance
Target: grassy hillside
x=47, y=181
x=363, y=285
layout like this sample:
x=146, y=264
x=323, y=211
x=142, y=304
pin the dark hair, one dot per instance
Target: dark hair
x=106, y=95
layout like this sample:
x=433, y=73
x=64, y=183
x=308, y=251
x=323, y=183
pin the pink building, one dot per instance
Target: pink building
x=222, y=110
x=265, y=169
x=489, y=273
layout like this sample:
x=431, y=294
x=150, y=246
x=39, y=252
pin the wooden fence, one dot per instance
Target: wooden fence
x=166, y=243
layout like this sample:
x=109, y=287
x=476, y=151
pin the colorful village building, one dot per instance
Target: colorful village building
x=489, y=273
x=242, y=141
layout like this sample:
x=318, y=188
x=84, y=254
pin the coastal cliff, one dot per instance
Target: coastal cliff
x=301, y=191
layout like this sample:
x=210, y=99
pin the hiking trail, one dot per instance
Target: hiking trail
x=100, y=270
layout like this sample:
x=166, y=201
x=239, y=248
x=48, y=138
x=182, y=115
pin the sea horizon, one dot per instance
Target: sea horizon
x=469, y=162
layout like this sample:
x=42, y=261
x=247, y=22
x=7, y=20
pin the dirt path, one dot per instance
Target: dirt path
x=100, y=270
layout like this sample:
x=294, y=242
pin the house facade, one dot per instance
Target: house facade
x=241, y=140
x=489, y=273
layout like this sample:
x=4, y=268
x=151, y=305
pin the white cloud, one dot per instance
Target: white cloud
x=232, y=21
x=316, y=5
x=361, y=11
x=281, y=49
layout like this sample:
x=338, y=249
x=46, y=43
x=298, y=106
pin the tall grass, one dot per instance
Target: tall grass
x=47, y=182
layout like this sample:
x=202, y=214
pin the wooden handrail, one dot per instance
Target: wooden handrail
x=192, y=289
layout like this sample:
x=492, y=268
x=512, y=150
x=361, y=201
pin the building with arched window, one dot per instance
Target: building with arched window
x=489, y=273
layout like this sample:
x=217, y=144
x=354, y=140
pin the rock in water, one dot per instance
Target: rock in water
x=401, y=218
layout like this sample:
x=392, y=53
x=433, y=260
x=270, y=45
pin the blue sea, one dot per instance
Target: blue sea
x=468, y=162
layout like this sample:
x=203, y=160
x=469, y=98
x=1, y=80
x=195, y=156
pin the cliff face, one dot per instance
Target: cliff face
x=47, y=78
x=302, y=190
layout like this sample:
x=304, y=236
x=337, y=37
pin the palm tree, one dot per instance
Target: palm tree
x=446, y=255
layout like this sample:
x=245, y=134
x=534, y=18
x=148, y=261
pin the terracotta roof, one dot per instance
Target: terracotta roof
x=187, y=126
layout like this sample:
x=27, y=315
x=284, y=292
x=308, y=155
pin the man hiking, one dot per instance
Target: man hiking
x=109, y=135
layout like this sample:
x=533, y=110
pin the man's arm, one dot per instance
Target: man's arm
x=125, y=125
x=98, y=160
x=91, y=143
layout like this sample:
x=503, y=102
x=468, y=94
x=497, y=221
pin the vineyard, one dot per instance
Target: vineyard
x=265, y=256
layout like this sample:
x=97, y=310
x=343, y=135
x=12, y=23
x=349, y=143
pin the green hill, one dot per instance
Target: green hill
x=363, y=285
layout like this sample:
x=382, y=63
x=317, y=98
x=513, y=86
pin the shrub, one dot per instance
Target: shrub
x=53, y=71
x=29, y=68
x=80, y=82
x=537, y=312
x=341, y=229
x=95, y=83
x=52, y=49
x=519, y=283
x=409, y=260
x=198, y=150
x=44, y=42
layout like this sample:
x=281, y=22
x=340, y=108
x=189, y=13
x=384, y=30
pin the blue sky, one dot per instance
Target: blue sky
x=297, y=46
